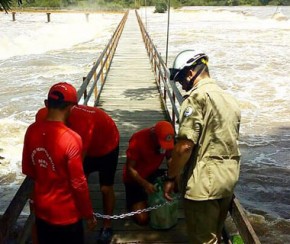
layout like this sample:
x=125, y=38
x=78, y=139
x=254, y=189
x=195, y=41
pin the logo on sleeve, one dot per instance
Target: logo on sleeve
x=169, y=137
x=188, y=111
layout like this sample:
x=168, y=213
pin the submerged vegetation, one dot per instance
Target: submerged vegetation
x=160, y=5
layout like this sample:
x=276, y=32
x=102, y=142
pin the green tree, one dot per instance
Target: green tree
x=264, y=2
x=5, y=5
x=160, y=6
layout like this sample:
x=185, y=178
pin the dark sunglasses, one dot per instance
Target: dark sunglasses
x=180, y=77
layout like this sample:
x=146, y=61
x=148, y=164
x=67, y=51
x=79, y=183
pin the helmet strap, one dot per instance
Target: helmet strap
x=190, y=83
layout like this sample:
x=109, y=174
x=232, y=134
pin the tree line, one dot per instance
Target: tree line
x=6, y=5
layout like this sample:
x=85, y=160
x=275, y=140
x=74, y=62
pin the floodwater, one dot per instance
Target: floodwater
x=34, y=55
x=248, y=49
x=249, y=55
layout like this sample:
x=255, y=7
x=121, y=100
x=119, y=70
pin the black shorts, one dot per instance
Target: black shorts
x=59, y=234
x=105, y=165
x=136, y=193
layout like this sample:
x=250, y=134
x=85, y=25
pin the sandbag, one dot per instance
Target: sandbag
x=164, y=217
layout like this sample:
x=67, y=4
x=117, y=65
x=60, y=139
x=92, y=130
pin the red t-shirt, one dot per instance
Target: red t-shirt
x=143, y=149
x=52, y=157
x=98, y=131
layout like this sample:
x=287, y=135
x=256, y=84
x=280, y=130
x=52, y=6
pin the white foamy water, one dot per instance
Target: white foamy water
x=249, y=50
x=35, y=35
x=34, y=55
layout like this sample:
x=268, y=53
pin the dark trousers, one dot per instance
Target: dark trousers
x=59, y=234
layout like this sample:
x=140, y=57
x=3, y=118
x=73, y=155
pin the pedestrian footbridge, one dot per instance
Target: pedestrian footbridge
x=129, y=81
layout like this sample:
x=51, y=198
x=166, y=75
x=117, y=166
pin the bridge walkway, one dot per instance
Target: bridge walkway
x=130, y=96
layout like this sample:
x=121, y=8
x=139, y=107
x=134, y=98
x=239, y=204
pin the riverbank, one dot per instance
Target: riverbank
x=67, y=11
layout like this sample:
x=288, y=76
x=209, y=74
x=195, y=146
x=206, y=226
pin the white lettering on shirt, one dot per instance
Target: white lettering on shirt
x=43, y=162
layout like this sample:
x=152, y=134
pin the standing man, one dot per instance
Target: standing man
x=101, y=151
x=207, y=152
x=147, y=150
x=52, y=158
x=100, y=138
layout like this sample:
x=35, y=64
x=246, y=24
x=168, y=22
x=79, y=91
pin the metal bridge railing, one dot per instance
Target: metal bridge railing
x=95, y=80
x=171, y=96
x=90, y=85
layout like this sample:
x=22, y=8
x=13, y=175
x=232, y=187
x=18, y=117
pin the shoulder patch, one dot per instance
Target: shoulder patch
x=188, y=111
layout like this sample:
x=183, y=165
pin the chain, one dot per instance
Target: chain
x=139, y=211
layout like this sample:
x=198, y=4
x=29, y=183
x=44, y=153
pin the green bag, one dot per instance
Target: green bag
x=163, y=217
x=237, y=239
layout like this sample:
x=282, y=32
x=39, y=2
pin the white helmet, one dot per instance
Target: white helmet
x=186, y=58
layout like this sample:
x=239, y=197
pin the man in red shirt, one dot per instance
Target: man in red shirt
x=52, y=157
x=147, y=150
x=100, y=138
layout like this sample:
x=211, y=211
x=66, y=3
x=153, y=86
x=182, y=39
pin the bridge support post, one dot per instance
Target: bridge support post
x=13, y=16
x=87, y=17
x=48, y=17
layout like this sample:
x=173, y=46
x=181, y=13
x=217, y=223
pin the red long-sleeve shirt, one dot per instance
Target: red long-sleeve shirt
x=52, y=157
x=97, y=129
x=143, y=150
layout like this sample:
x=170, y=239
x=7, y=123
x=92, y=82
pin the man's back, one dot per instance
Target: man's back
x=96, y=128
x=216, y=161
x=52, y=158
x=221, y=122
x=143, y=149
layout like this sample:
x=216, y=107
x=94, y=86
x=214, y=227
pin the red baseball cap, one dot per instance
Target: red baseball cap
x=165, y=134
x=63, y=92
